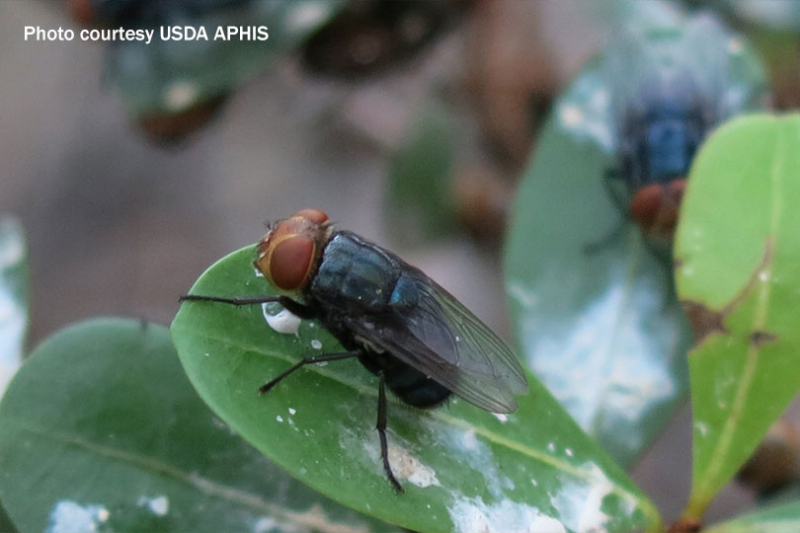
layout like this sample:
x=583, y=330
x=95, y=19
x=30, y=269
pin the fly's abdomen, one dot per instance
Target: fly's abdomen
x=354, y=275
x=408, y=383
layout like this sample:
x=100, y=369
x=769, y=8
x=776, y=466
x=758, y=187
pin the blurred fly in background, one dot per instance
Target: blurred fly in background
x=664, y=88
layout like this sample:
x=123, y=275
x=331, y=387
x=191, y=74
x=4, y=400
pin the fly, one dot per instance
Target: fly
x=660, y=90
x=420, y=342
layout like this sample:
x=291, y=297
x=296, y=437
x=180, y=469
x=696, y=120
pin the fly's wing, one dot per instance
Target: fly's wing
x=433, y=332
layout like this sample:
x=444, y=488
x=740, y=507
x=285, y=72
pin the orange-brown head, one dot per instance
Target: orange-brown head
x=655, y=207
x=289, y=254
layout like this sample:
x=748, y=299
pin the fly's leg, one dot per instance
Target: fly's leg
x=306, y=361
x=381, y=427
x=620, y=202
x=238, y=301
x=295, y=308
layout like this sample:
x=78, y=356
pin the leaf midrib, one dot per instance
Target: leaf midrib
x=721, y=452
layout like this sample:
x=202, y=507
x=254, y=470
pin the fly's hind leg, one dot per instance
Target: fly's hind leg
x=609, y=177
x=381, y=427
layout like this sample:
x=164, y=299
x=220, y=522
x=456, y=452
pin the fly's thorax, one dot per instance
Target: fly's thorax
x=290, y=253
x=355, y=275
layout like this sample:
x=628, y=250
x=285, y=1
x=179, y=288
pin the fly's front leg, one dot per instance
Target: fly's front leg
x=295, y=308
x=381, y=427
x=307, y=361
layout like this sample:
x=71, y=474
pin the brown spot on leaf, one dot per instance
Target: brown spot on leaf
x=760, y=338
x=704, y=321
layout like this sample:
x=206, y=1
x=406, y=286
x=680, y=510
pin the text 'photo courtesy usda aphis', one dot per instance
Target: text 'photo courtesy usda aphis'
x=402, y=326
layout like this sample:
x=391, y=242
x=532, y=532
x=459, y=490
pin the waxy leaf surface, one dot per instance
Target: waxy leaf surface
x=101, y=431
x=463, y=469
x=739, y=278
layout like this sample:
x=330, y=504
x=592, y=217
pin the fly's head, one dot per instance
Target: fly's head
x=290, y=253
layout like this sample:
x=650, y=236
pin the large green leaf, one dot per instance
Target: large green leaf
x=784, y=518
x=101, y=431
x=602, y=328
x=463, y=469
x=13, y=298
x=174, y=75
x=739, y=277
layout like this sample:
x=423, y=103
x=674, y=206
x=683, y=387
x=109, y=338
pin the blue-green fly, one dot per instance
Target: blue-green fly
x=421, y=342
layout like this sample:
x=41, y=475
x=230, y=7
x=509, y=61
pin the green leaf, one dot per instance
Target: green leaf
x=463, y=469
x=418, y=198
x=602, y=327
x=100, y=430
x=602, y=330
x=13, y=298
x=174, y=75
x=784, y=518
x=740, y=282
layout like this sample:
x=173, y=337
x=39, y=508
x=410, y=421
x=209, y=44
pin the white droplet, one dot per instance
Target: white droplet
x=317, y=345
x=159, y=506
x=284, y=322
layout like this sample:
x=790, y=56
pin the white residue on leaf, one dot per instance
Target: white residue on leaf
x=472, y=515
x=279, y=418
x=284, y=322
x=317, y=345
x=579, y=503
x=501, y=417
x=472, y=451
x=313, y=519
x=292, y=411
x=258, y=273
x=407, y=467
x=701, y=428
x=159, y=505
x=611, y=385
x=70, y=517
x=469, y=440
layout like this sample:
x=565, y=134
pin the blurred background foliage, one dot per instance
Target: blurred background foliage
x=409, y=123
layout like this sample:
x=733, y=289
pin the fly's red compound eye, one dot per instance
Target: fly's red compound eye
x=646, y=205
x=289, y=263
x=655, y=208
